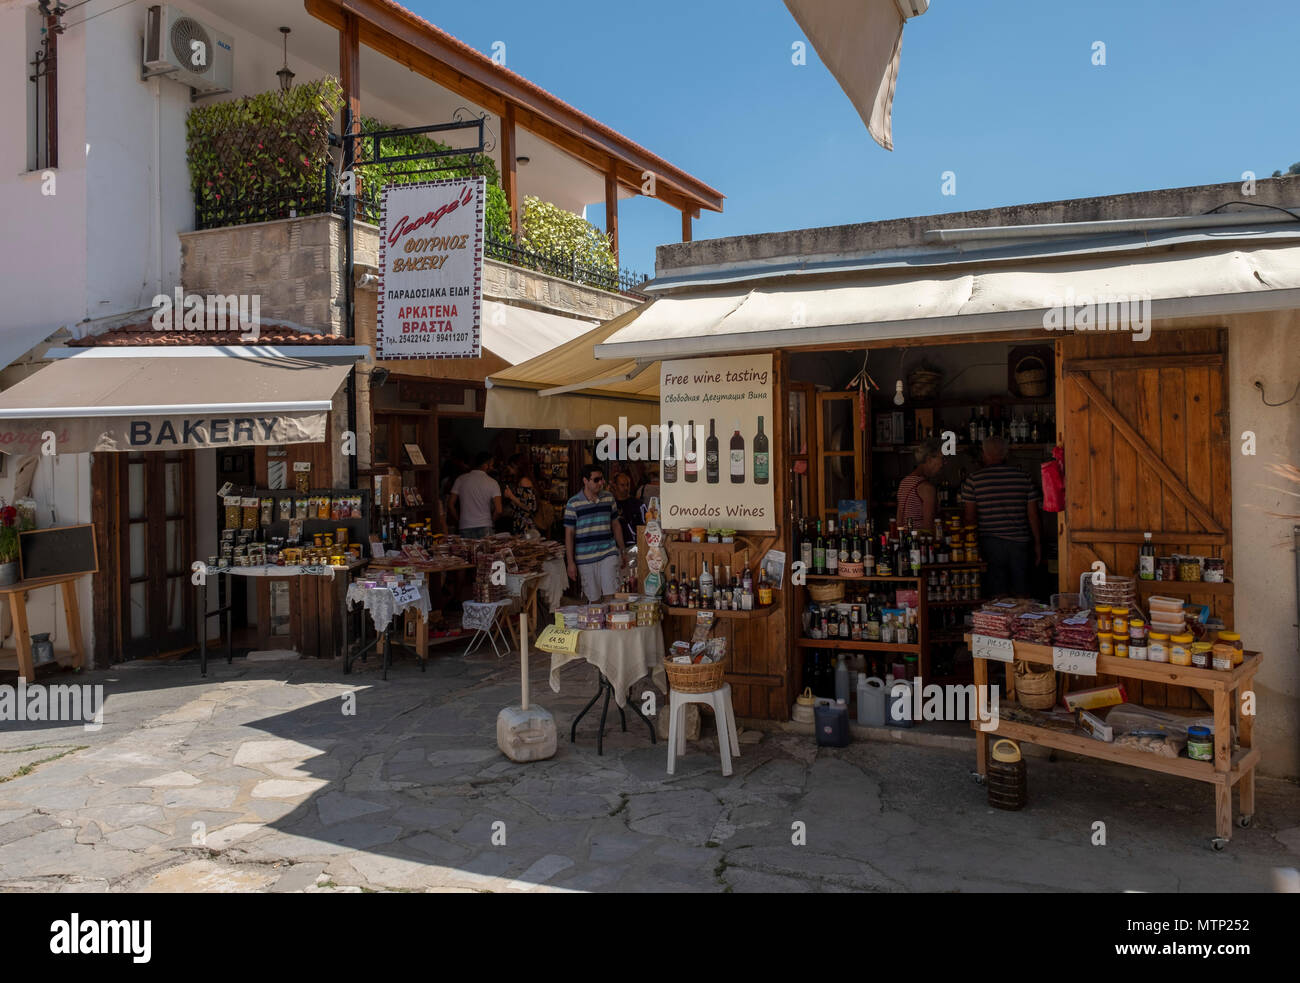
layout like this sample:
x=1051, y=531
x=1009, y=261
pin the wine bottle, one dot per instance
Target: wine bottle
x=805, y=546
x=737, y=456
x=761, y=459
x=670, y=457
x=819, y=551
x=1147, y=561
x=845, y=545
x=706, y=586
x=691, y=453
x=711, y=454
x=832, y=549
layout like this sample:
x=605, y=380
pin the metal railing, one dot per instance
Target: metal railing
x=499, y=244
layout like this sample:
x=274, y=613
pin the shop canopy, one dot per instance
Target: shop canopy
x=176, y=398
x=517, y=334
x=767, y=312
x=568, y=389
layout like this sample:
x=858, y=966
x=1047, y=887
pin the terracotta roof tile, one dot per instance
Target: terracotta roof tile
x=144, y=335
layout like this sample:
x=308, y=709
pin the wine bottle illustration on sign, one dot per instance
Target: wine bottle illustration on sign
x=737, y=456
x=670, y=457
x=760, y=455
x=711, y=454
x=690, y=452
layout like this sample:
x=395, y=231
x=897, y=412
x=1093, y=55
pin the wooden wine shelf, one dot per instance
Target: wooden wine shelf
x=848, y=643
x=1183, y=588
x=825, y=576
x=743, y=615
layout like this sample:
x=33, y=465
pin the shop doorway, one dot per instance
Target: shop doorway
x=155, y=519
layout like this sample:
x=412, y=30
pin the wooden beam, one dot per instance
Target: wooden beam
x=510, y=166
x=407, y=39
x=1143, y=362
x=350, y=76
x=686, y=225
x=611, y=209
x=1136, y=538
x=1125, y=430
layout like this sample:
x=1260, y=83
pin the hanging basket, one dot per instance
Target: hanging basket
x=1035, y=690
x=1031, y=376
x=924, y=384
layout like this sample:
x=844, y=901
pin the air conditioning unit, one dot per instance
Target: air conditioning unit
x=188, y=51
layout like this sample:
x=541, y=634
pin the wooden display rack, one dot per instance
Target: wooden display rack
x=1226, y=770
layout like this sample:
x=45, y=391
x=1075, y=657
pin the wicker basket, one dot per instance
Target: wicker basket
x=1031, y=376
x=830, y=593
x=702, y=678
x=924, y=384
x=1035, y=690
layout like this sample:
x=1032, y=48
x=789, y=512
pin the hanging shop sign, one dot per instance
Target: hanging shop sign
x=431, y=270
x=159, y=433
x=715, y=443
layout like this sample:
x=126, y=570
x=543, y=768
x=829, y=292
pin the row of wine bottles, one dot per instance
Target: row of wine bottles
x=738, y=462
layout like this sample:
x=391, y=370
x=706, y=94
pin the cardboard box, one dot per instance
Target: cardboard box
x=1099, y=696
x=1095, y=727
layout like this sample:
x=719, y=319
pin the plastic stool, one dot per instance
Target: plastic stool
x=720, y=700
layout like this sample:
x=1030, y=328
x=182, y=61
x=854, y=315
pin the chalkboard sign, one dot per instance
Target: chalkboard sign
x=57, y=551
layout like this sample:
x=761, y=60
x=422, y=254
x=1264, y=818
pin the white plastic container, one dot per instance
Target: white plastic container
x=898, y=695
x=871, y=701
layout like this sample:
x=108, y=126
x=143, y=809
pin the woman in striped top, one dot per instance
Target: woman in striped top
x=918, y=503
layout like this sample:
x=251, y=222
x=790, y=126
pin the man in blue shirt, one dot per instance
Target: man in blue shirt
x=593, y=537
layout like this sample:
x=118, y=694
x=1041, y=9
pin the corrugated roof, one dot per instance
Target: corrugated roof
x=143, y=335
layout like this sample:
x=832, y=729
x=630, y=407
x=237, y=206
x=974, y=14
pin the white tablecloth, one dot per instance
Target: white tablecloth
x=555, y=583
x=480, y=617
x=383, y=606
x=623, y=656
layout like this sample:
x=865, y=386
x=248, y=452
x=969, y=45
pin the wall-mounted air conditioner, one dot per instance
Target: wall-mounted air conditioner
x=188, y=51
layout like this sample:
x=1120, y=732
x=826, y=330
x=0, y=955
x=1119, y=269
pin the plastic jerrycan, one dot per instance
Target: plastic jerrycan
x=871, y=701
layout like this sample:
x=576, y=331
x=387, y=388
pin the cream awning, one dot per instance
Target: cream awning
x=102, y=400
x=517, y=334
x=594, y=392
x=937, y=301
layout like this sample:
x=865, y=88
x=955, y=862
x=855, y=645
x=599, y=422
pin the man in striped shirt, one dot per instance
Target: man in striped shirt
x=593, y=537
x=1005, y=502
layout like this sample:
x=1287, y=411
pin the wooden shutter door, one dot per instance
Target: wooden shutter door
x=1147, y=449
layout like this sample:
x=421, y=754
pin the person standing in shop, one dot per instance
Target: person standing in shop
x=593, y=537
x=475, y=502
x=918, y=502
x=1005, y=502
x=629, y=508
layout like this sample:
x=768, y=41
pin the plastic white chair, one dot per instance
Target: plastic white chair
x=720, y=700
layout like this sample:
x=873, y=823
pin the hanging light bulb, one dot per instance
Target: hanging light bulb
x=898, y=393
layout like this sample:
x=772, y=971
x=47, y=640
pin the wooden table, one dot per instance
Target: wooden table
x=1226, y=770
x=422, y=626
x=21, y=659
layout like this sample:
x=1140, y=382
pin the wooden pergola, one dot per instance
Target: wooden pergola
x=412, y=41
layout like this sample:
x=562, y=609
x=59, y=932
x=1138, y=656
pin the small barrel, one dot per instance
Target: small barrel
x=1006, y=780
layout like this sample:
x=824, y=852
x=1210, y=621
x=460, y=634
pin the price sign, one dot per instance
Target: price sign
x=994, y=649
x=406, y=595
x=553, y=639
x=1076, y=661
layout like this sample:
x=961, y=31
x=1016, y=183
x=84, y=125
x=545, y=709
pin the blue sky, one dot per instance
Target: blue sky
x=1002, y=92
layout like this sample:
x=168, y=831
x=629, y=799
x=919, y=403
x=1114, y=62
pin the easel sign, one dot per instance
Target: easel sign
x=59, y=551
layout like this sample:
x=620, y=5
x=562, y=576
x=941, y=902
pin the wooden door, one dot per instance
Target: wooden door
x=155, y=548
x=841, y=451
x=1147, y=449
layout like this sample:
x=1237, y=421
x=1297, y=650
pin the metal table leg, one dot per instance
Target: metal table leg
x=203, y=626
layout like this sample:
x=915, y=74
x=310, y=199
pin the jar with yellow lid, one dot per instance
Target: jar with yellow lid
x=1103, y=617
x=1201, y=655
x=1119, y=621
x=1121, y=646
x=1105, y=643
x=1158, y=649
x=1180, y=649
x=1234, y=639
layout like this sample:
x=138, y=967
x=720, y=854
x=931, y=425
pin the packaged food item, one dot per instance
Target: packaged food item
x=302, y=479
x=248, y=505
x=1121, y=646
x=1103, y=618
x=323, y=507
x=1105, y=643
x=1200, y=743
x=1222, y=655
x=1137, y=653
x=1212, y=570
x=233, y=516
x=267, y=510
x=1234, y=639
x=300, y=505
x=1167, y=569
x=1119, y=622
x=1189, y=569
x=1180, y=649
x=1158, y=649
x=1201, y=655
x=1098, y=696
x=286, y=508
x=1095, y=727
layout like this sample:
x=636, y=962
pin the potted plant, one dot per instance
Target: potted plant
x=8, y=554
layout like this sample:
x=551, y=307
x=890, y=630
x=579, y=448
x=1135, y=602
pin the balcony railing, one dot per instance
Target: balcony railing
x=499, y=244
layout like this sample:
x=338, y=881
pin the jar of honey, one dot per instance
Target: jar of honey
x=1180, y=649
x=1221, y=655
x=1158, y=649
x=1105, y=643
x=1103, y=618
x=1234, y=639
x=1119, y=621
x=1201, y=655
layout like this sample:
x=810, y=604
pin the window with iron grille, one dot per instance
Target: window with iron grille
x=42, y=93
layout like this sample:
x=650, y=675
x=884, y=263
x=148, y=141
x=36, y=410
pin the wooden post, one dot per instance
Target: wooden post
x=350, y=77
x=611, y=209
x=510, y=166
x=686, y=225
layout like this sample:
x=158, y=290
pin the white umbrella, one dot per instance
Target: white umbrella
x=860, y=42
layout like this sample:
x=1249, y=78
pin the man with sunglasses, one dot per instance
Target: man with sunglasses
x=593, y=537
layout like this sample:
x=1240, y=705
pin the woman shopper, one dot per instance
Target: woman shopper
x=521, y=491
x=918, y=503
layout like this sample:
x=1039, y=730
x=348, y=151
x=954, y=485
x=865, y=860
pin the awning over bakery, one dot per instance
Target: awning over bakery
x=566, y=388
x=104, y=399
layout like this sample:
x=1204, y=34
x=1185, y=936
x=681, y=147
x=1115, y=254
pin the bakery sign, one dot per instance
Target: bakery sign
x=431, y=270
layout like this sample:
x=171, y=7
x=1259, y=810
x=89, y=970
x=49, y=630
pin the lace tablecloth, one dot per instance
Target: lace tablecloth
x=555, y=583
x=383, y=605
x=480, y=617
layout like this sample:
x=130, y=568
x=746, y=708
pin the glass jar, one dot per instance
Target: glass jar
x=1119, y=621
x=1234, y=639
x=1212, y=570
x=1221, y=656
x=1103, y=617
x=1158, y=647
x=1189, y=569
x=1105, y=643
x=1180, y=649
x=1168, y=569
x=1121, y=646
x=1201, y=655
x=1137, y=631
x=1200, y=743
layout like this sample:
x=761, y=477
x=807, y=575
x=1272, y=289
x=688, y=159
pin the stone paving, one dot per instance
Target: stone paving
x=256, y=779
